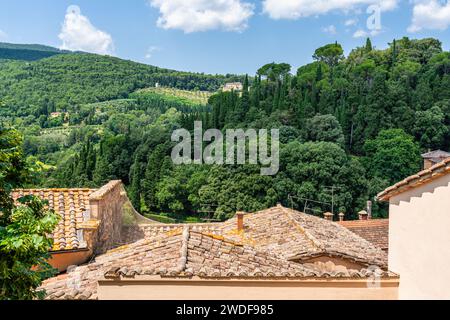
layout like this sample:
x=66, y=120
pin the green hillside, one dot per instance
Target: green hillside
x=184, y=96
x=27, y=52
x=62, y=81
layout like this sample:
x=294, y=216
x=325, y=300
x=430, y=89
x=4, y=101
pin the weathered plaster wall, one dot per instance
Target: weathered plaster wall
x=419, y=236
x=62, y=260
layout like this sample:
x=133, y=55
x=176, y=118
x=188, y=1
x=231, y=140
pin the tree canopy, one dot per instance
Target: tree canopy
x=24, y=244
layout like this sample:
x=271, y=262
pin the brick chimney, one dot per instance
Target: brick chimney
x=341, y=216
x=240, y=220
x=363, y=215
x=328, y=216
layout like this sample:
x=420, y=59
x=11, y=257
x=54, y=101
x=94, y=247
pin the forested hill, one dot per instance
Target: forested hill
x=61, y=81
x=27, y=52
x=349, y=126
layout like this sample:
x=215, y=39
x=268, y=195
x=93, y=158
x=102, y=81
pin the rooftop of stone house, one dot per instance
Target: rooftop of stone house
x=375, y=231
x=72, y=206
x=273, y=244
x=287, y=233
x=436, y=155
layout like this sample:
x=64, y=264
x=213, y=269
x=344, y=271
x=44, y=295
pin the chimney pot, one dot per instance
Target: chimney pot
x=369, y=209
x=240, y=220
x=363, y=215
x=341, y=216
x=328, y=216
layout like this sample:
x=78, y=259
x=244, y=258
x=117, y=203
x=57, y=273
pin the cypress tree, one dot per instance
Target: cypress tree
x=369, y=47
x=245, y=99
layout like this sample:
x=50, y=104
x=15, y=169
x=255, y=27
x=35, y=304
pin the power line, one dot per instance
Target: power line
x=332, y=196
x=307, y=200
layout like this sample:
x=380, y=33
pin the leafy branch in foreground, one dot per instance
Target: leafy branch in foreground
x=24, y=244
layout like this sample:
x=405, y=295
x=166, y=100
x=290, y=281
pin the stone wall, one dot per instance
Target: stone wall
x=106, y=206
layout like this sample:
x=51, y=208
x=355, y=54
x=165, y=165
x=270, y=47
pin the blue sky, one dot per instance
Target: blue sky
x=218, y=36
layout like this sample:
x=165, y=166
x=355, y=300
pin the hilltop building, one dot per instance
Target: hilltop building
x=232, y=86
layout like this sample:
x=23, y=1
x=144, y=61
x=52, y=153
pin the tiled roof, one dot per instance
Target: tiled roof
x=70, y=204
x=375, y=231
x=187, y=254
x=284, y=232
x=264, y=249
x=289, y=233
x=425, y=176
x=437, y=154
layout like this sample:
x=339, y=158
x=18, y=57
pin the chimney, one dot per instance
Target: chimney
x=240, y=220
x=369, y=209
x=427, y=164
x=363, y=215
x=341, y=216
x=328, y=216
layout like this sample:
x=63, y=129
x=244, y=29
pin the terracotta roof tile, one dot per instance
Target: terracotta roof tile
x=71, y=205
x=186, y=254
x=288, y=233
x=262, y=250
x=375, y=231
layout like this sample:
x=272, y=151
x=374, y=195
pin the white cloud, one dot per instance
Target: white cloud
x=430, y=14
x=360, y=34
x=295, y=9
x=150, y=51
x=350, y=22
x=3, y=35
x=364, y=34
x=202, y=15
x=78, y=34
x=330, y=29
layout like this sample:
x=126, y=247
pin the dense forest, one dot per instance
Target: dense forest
x=349, y=126
x=27, y=52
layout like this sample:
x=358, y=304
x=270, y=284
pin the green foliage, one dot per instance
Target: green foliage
x=185, y=97
x=24, y=244
x=274, y=71
x=430, y=128
x=357, y=123
x=331, y=54
x=26, y=52
x=392, y=155
x=160, y=218
x=41, y=87
x=308, y=170
x=324, y=128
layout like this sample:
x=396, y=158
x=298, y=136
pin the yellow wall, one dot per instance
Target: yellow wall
x=65, y=259
x=246, y=290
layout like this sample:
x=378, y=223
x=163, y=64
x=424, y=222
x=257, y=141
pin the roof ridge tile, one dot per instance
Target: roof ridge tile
x=316, y=242
x=424, y=176
x=184, y=249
